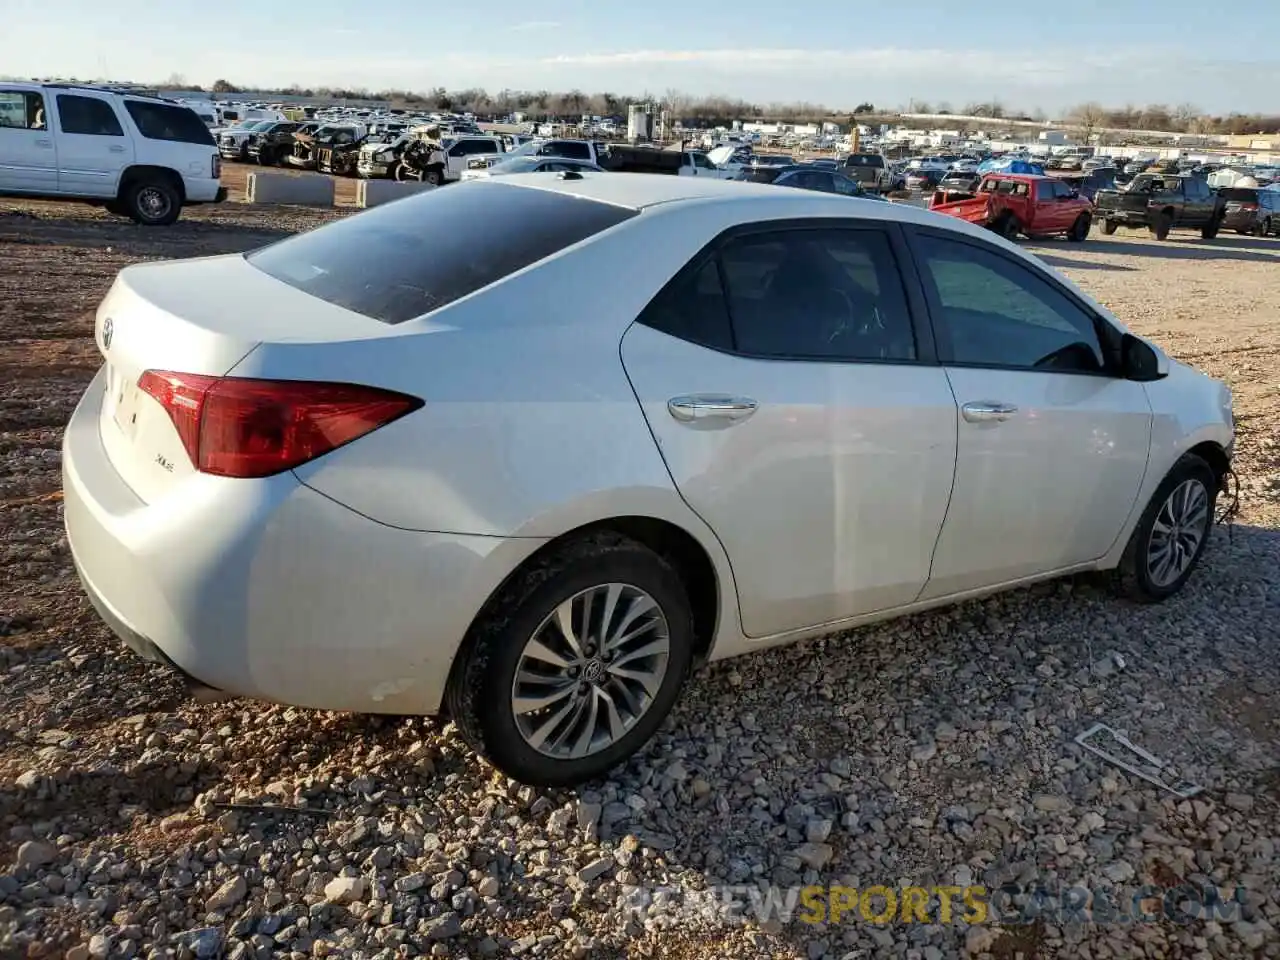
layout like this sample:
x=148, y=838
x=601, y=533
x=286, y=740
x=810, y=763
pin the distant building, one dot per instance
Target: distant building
x=1052, y=138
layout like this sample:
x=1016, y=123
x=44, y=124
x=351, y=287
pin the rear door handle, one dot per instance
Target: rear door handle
x=710, y=406
x=116, y=148
x=985, y=410
x=44, y=143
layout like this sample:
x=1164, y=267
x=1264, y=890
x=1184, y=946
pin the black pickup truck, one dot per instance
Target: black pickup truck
x=1161, y=202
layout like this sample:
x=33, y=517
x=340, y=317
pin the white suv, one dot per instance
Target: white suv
x=140, y=157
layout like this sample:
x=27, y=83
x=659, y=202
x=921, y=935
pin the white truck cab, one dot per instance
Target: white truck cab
x=140, y=157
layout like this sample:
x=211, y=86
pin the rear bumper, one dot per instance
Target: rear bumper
x=267, y=589
x=1240, y=221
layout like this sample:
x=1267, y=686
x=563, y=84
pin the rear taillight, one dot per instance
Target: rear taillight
x=217, y=166
x=1251, y=207
x=241, y=427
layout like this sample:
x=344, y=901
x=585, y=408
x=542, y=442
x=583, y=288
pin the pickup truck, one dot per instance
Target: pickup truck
x=587, y=150
x=681, y=163
x=1014, y=203
x=1162, y=202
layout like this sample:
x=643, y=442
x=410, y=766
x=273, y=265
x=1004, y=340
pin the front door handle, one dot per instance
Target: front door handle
x=986, y=410
x=44, y=143
x=708, y=406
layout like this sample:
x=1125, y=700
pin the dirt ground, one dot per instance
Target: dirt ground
x=1214, y=304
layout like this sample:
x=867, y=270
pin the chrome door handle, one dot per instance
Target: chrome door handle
x=984, y=411
x=710, y=407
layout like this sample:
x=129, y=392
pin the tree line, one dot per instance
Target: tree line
x=542, y=104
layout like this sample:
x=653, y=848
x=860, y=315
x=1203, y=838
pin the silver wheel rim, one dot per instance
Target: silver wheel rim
x=1179, y=528
x=152, y=202
x=590, y=671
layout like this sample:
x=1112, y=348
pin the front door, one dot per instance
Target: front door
x=1052, y=443
x=782, y=379
x=93, y=149
x=28, y=155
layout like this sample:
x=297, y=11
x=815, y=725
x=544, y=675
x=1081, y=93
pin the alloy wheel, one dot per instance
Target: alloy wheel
x=590, y=671
x=1178, y=530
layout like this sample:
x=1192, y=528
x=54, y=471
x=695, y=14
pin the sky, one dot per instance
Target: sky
x=1028, y=56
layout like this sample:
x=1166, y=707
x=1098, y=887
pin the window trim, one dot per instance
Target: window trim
x=917, y=315
x=1107, y=333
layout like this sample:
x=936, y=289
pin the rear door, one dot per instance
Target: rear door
x=93, y=150
x=802, y=416
x=28, y=151
x=1052, y=442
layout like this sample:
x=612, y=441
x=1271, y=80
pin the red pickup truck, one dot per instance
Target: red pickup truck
x=1014, y=203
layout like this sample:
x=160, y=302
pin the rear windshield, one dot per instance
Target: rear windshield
x=864, y=160
x=405, y=259
x=160, y=121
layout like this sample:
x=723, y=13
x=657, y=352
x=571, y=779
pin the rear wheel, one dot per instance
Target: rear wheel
x=1109, y=227
x=434, y=176
x=1210, y=229
x=151, y=202
x=572, y=667
x=1172, y=534
x=1079, y=231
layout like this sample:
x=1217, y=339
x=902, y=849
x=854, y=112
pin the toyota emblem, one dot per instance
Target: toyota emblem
x=108, y=327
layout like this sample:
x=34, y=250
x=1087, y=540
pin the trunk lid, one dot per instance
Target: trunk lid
x=198, y=316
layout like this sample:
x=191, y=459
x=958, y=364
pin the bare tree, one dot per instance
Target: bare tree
x=1087, y=118
x=1184, y=114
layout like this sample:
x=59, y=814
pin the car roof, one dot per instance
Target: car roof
x=640, y=191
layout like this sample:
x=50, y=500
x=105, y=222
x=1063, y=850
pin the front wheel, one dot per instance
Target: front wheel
x=1210, y=229
x=573, y=666
x=1079, y=231
x=1109, y=227
x=1161, y=226
x=1172, y=534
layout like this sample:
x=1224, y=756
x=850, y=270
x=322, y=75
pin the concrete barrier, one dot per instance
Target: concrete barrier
x=305, y=190
x=370, y=193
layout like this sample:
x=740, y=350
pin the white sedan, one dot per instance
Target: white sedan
x=362, y=469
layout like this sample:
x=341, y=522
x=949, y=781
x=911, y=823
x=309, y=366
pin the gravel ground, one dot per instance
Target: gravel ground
x=934, y=750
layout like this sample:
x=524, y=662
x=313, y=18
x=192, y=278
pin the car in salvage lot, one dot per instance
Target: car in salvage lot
x=361, y=470
x=1020, y=203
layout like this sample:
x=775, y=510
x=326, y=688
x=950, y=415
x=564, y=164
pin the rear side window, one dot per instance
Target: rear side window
x=87, y=115
x=161, y=121
x=400, y=261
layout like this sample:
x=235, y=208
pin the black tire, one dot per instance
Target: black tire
x=1265, y=231
x=1079, y=231
x=479, y=693
x=152, y=202
x=1006, y=226
x=1135, y=577
x=1161, y=226
x=1109, y=227
x=1210, y=229
x=433, y=176
x=401, y=173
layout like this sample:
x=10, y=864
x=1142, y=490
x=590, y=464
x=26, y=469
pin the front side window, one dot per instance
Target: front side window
x=87, y=115
x=21, y=110
x=998, y=313
x=825, y=294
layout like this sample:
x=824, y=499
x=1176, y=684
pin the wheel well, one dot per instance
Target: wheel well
x=673, y=544
x=136, y=173
x=1213, y=454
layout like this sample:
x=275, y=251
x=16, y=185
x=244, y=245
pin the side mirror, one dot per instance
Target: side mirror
x=1142, y=361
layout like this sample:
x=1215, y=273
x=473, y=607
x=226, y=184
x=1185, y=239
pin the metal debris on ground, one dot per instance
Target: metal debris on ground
x=1100, y=737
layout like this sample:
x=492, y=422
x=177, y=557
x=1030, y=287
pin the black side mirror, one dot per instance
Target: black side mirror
x=1140, y=361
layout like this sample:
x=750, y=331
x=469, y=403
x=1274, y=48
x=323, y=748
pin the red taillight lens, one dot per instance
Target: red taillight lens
x=1249, y=206
x=241, y=427
x=217, y=166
